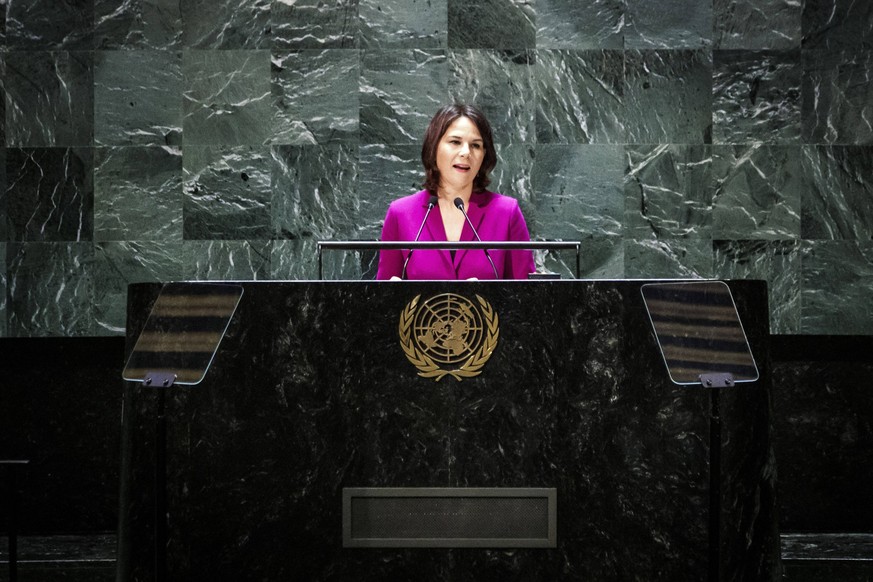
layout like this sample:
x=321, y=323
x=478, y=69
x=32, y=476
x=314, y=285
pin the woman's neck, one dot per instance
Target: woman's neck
x=453, y=221
x=450, y=194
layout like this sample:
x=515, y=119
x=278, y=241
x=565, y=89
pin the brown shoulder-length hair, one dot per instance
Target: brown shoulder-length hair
x=435, y=131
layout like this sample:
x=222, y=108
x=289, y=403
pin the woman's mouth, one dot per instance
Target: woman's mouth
x=462, y=167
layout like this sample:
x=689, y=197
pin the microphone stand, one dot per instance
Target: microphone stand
x=431, y=202
x=459, y=204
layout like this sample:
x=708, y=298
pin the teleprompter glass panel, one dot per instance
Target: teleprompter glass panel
x=699, y=331
x=183, y=330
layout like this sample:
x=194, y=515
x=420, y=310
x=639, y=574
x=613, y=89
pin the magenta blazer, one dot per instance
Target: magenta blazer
x=496, y=218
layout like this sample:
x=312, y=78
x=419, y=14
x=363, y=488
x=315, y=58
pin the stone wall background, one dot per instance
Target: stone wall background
x=153, y=140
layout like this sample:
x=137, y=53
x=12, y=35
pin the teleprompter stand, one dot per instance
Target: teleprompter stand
x=703, y=344
x=176, y=346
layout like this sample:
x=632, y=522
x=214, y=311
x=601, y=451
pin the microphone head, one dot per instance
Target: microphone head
x=432, y=201
x=459, y=203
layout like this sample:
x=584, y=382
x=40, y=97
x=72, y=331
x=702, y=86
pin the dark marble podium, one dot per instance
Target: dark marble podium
x=310, y=392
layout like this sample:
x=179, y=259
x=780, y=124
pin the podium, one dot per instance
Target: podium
x=506, y=389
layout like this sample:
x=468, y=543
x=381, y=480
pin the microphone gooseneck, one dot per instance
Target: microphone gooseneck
x=431, y=202
x=459, y=204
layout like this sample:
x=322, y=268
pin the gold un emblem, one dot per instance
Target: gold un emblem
x=448, y=335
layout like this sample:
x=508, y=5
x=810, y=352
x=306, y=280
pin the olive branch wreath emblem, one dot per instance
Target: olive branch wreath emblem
x=427, y=367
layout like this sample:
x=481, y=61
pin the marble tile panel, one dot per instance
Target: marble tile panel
x=50, y=194
x=118, y=264
x=495, y=24
x=512, y=174
x=226, y=193
x=386, y=172
x=4, y=197
x=314, y=193
x=570, y=24
x=293, y=259
x=526, y=172
x=668, y=192
x=837, y=283
x=297, y=24
x=501, y=84
x=226, y=24
x=403, y=24
x=668, y=259
x=667, y=24
x=3, y=289
x=778, y=263
x=49, y=98
x=227, y=260
x=298, y=260
x=756, y=24
x=837, y=24
x=757, y=192
x=3, y=74
x=137, y=97
x=137, y=24
x=837, y=97
x=668, y=96
x=138, y=194
x=580, y=96
x=49, y=24
x=600, y=258
x=756, y=97
x=3, y=23
x=315, y=96
x=50, y=289
x=577, y=191
x=400, y=92
x=226, y=99
x=837, y=201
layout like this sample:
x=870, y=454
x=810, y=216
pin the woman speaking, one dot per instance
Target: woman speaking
x=457, y=153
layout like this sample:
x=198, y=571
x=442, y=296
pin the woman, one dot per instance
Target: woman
x=457, y=153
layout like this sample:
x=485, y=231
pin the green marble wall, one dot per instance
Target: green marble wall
x=149, y=140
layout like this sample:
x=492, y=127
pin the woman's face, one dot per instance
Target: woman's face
x=459, y=155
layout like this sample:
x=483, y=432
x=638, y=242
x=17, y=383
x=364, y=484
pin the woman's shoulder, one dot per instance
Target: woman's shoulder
x=410, y=201
x=496, y=200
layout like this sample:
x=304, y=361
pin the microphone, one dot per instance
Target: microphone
x=431, y=202
x=459, y=204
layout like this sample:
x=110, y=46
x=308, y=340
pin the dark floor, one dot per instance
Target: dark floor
x=805, y=558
